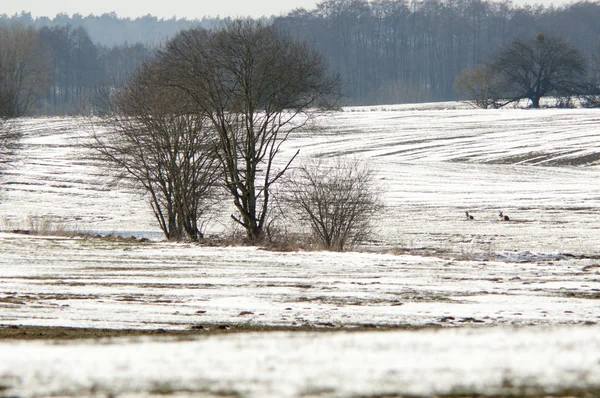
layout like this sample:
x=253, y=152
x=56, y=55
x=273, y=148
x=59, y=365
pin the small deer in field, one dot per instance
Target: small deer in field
x=503, y=217
x=469, y=217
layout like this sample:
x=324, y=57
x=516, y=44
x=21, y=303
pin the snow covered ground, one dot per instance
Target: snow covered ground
x=454, y=362
x=508, y=308
x=92, y=283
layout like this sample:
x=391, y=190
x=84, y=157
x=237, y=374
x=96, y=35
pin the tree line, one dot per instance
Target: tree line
x=395, y=51
x=59, y=70
x=385, y=51
x=111, y=30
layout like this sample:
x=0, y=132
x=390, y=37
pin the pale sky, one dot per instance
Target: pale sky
x=190, y=9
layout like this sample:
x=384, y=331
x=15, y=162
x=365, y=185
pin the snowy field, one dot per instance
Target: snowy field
x=433, y=305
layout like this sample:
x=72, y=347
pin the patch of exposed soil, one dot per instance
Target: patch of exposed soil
x=14, y=332
x=568, y=158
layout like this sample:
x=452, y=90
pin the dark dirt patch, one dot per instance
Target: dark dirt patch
x=422, y=251
x=345, y=301
x=591, y=267
x=568, y=158
x=12, y=300
x=580, y=295
x=508, y=392
x=14, y=332
x=62, y=333
x=28, y=298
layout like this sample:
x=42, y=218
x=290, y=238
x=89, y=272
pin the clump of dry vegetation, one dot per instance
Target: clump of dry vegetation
x=335, y=201
x=39, y=225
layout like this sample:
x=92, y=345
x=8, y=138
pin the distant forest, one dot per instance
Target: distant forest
x=386, y=51
x=109, y=30
x=391, y=51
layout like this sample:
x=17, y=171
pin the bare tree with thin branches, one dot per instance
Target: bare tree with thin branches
x=161, y=145
x=256, y=86
x=337, y=200
x=479, y=86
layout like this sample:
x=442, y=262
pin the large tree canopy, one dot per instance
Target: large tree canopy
x=256, y=86
x=535, y=68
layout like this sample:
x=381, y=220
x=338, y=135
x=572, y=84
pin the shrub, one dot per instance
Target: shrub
x=336, y=200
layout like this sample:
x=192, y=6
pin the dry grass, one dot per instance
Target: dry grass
x=40, y=225
x=58, y=227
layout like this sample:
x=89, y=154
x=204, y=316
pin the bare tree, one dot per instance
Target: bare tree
x=533, y=69
x=162, y=146
x=24, y=73
x=256, y=86
x=477, y=85
x=337, y=200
